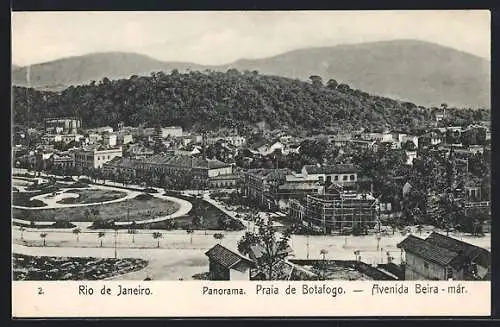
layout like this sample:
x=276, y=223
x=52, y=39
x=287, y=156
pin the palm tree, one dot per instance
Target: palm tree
x=190, y=232
x=101, y=235
x=219, y=236
x=43, y=236
x=77, y=231
x=132, y=230
x=157, y=236
x=324, y=252
x=22, y=229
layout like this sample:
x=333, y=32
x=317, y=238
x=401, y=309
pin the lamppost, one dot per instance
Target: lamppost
x=378, y=241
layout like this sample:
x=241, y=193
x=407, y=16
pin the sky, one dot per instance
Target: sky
x=213, y=38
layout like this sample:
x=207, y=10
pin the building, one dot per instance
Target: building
x=124, y=138
x=160, y=165
x=94, y=156
x=335, y=211
x=261, y=186
x=225, y=264
x=172, y=131
x=109, y=139
x=100, y=130
x=345, y=175
x=61, y=162
x=439, y=257
x=63, y=125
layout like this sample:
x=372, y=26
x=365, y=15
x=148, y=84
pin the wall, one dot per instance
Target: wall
x=220, y=171
x=239, y=275
x=416, y=269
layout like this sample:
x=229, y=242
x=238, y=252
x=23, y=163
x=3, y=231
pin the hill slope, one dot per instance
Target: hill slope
x=420, y=72
x=59, y=74
x=229, y=99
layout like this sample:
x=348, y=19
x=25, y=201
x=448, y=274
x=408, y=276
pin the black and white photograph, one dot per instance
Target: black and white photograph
x=251, y=146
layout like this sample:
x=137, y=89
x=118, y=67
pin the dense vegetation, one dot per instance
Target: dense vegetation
x=213, y=100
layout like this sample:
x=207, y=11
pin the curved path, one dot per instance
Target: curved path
x=184, y=207
x=52, y=202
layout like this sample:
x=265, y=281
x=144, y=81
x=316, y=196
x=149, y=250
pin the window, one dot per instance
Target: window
x=426, y=265
x=352, y=177
x=336, y=178
x=344, y=177
x=98, y=158
x=449, y=273
x=108, y=157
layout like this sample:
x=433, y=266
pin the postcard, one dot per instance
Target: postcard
x=251, y=163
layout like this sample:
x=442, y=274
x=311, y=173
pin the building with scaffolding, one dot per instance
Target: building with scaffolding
x=335, y=212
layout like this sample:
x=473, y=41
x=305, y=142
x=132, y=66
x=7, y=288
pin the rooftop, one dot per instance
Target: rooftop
x=226, y=257
x=331, y=169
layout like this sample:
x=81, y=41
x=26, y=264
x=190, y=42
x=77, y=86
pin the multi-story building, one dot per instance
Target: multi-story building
x=94, y=156
x=109, y=139
x=156, y=166
x=62, y=125
x=172, y=131
x=335, y=211
x=345, y=175
x=439, y=257
x=262, y=186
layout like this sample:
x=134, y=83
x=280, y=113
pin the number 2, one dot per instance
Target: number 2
x=40, y=291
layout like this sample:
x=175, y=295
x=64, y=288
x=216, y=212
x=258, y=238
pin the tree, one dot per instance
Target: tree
x=274, y=245
x=157, y=236
x=22, y=229
x=219, y=237
x=43, y=236
x=132, y=230
x=246, y=242
x=324, y=252
x=77, y=232
x=332, y=84
x=100, y=235
x=316, y=80
x=189, y=231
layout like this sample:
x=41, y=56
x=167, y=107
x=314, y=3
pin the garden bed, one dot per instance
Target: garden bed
x=64, y=268
x=213, y=217
x=22, y=199
x=92, y=196
x=131, y=209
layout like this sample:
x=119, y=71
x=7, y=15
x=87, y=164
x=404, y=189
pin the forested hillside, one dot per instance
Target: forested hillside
x=212, y=100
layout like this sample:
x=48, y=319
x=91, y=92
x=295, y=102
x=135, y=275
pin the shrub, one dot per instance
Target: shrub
x=144, y=197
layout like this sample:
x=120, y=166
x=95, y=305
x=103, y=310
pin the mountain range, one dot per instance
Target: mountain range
x=420, y=72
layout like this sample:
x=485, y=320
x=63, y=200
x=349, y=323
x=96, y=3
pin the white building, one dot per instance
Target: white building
x=94, y=156
x=172, y=131
x=109, y=139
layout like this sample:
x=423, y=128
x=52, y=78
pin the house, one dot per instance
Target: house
x=94, y=156
x=101, y=130
x=63, y=125
x=109, y=139
x=172, y=131
x=225, y=264
x=439, y=257
x=343, y=174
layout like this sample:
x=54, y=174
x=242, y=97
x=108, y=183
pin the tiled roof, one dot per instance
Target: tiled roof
x=331, y=169
x=427, y=250
x=465, y=249
x=226, y=257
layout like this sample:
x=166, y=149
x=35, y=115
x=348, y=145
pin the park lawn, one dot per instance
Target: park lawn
x=137, y=210
x=92, y=196
x=23, y=199
x=211, y=215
